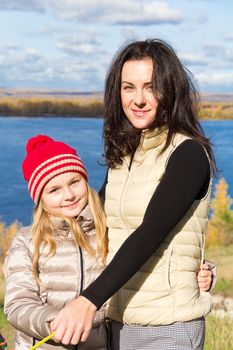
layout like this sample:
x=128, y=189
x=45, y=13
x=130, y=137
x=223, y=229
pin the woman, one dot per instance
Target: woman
x=157, y=196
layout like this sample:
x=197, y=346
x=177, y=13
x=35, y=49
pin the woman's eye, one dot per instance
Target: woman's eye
x=128, y=88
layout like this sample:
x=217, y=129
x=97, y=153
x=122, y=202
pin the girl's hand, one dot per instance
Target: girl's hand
x=204, y=278
x=74, y=322
x=4, y=266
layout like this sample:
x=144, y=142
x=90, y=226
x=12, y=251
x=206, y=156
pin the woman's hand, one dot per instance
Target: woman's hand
x=204, y=278
x=74, y=322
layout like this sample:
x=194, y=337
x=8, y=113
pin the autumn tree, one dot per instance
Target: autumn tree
x=220, y=226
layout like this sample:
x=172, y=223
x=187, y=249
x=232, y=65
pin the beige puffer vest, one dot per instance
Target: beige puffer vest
x=30, y=307
x=165, y=289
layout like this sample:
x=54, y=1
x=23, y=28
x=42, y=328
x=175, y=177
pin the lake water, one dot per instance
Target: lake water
x=84, y=134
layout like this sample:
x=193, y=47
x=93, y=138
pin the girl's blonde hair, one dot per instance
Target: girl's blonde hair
x=43, y=231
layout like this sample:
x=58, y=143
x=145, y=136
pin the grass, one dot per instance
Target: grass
x=5, y=328
x=219, y=335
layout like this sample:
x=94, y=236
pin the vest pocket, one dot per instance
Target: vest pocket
x=168, y=270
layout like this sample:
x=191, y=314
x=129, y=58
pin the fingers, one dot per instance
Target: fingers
x=54, y=324
x=59, y=330
x=74, y=322
x=204, y=274
x=68, y=336
x=76, y=338
x=204, y=281
x=68, y=333
x=204, y=278
x=85, y=335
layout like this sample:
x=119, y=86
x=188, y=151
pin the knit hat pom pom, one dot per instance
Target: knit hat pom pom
x=36, y=141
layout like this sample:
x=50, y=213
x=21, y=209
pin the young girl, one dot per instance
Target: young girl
x=61, y=253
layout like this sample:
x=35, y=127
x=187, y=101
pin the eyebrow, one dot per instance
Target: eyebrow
x=129, y=83
x=76, y=176
x=50, y=188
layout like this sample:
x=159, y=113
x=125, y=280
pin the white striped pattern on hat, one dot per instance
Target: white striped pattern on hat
x=53, y=167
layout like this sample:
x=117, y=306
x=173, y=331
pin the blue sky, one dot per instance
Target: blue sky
x=68, y=44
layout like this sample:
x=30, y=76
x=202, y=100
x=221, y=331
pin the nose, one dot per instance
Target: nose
x=139, y=99
x=68, y=193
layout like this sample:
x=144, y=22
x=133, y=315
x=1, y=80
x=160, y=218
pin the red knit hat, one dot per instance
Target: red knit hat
x=45, y=159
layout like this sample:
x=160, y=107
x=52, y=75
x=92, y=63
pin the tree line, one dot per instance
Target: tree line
x=33, y=107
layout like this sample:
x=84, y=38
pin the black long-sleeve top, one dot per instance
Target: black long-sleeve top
x=186, y=179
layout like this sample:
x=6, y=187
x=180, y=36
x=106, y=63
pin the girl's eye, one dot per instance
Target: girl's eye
x=74, y=182
x=53, y=190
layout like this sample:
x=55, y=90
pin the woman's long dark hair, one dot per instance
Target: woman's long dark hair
x=177, y=102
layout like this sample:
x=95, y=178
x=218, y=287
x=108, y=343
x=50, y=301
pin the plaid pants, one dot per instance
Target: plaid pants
x=178, y=336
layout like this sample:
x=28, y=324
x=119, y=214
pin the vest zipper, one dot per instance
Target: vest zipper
x=81, y=280
x=119, y=306
x=123, y=193
x=81, y=269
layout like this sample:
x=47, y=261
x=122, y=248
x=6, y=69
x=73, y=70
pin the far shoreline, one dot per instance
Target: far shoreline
x=35, y=103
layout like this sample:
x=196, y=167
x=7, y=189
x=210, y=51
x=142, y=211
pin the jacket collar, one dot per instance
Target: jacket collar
x=85, y=220
x=149, y=139
x=152, y=138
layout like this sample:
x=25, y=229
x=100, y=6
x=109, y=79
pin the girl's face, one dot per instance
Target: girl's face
x=137, y=96
x=66, y=194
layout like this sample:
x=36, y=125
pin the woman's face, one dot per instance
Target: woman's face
x=65, y=194
x=137, y=96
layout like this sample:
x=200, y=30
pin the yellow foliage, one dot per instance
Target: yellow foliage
x=216, y=110
x=220, y=227
x=6, y=236
x=91, y=106
x=47, y=106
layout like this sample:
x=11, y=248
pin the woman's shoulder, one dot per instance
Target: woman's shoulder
x=190, y=152
x=189, y=145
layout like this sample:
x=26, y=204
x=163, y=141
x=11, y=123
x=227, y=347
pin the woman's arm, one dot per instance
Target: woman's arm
x=24, y=308
x=186, y=179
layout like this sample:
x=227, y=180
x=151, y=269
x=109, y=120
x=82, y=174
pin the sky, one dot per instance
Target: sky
x=69, y=44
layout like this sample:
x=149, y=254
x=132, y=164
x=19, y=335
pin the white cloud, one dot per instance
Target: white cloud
x=71, y=42
x=193, y=59
x=215, y=79
x=213, y=50
x=29, y=68
x=228, y=37
x=22, y=5
x=107, y=11
x=151, y=12
x=80, y=44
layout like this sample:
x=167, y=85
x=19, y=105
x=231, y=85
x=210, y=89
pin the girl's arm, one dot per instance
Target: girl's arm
x=25, y=310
